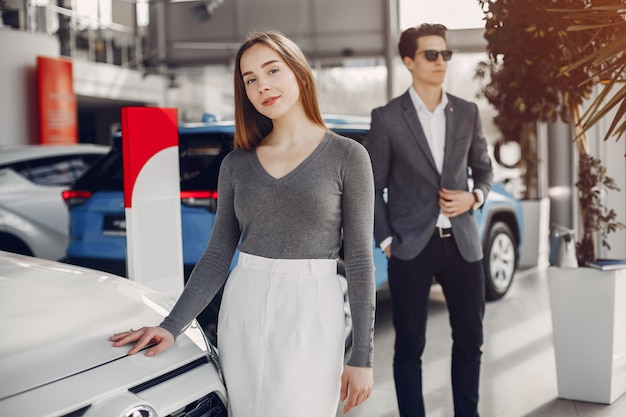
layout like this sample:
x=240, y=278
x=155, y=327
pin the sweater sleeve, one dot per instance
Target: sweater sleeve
x=358, y=225
x=211, y=271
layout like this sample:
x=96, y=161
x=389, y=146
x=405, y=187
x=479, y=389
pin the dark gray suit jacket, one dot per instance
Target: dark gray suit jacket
x=404, y=165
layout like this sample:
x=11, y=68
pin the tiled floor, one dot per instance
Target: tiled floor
x=518, y=373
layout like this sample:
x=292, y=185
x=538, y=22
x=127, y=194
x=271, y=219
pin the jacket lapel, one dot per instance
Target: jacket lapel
x=451, y=125
x=415, y=128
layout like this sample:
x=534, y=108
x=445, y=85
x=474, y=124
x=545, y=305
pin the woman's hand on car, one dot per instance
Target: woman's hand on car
x=161, y=338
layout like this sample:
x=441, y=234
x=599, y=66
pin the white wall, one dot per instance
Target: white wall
x=18, y=84
x=613, y=154
x=99, y=80
x=202, y=90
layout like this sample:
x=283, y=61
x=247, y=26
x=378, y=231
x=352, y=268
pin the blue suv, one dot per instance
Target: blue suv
x=97, y=229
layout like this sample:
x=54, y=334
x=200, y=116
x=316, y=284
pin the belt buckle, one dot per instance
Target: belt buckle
x=442, y=234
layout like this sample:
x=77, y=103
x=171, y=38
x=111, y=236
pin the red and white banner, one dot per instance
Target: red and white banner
x=152, y=198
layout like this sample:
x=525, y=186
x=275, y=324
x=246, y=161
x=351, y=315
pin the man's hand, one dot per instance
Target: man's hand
x=387, y=251
x=162, y=338
x=356, y=386
x=455, y=202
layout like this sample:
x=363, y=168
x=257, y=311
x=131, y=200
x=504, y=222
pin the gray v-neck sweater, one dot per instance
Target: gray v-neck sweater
x=325, y=202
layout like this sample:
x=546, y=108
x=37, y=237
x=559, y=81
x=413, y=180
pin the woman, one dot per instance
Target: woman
x=291, y=194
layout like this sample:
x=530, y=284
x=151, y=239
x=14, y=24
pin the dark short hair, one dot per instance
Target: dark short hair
x=407, y=46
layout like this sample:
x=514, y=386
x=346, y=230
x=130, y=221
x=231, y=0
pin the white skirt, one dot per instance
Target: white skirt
x=280, y=337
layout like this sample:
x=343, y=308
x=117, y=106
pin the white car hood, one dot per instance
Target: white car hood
x=55, y=319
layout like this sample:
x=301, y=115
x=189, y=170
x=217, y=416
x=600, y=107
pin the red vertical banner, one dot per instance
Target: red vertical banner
x=152, y=198
x=57, y=101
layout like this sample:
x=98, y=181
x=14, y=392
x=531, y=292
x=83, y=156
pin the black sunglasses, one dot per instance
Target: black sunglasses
x=432, y=55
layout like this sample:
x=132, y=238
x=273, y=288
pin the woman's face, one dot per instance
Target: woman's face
x=271, y=86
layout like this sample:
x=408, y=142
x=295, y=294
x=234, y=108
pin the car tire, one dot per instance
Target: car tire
x=341, y=274
x=499, y=261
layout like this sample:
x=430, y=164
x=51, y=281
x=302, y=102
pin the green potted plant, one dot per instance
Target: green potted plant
x=588, y=305
x=540, y=71
x=523, y=96
x=607, y=65
x=603, y=23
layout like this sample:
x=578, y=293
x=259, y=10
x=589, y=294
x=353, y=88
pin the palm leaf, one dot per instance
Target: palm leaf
x=610, y=61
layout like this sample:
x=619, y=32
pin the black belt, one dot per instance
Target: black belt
x=443, y=232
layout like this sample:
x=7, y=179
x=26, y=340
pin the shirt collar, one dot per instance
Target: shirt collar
x=419, y=104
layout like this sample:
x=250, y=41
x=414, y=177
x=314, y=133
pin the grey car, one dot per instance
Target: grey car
x=33, y=216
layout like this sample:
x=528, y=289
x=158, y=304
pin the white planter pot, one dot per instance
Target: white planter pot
x=589, y=332
x=536, y=233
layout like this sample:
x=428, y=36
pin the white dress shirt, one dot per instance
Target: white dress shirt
x=434, y=126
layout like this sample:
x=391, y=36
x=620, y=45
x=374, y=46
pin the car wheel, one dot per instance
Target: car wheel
x=10, y=243
x=341, y=274
x=499, y=261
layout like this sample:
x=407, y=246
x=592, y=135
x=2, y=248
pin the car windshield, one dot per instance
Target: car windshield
x=200, y=158
x=55, y=171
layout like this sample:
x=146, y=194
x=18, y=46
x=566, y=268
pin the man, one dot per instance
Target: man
x=422, y=145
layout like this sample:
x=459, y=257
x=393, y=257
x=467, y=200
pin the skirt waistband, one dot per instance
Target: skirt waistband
x=260, y=263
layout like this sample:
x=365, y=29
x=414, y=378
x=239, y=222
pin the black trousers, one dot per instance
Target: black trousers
x=463, y=287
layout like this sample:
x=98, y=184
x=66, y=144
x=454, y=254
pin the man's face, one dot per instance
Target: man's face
x=424, y=71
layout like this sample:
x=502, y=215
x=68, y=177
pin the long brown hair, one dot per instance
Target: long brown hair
x=250, y=125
